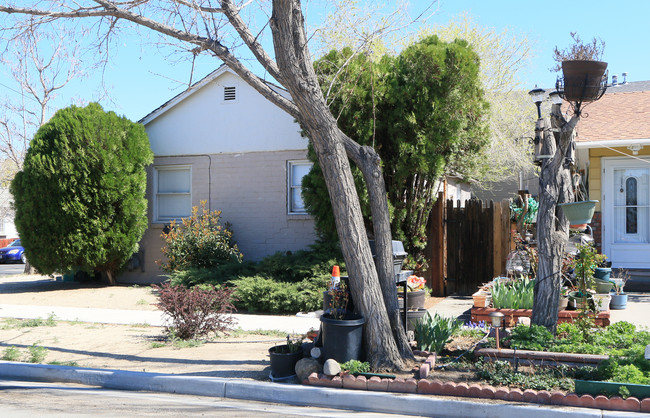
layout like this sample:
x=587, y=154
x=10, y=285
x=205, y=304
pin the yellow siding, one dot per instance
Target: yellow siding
x=595, y=167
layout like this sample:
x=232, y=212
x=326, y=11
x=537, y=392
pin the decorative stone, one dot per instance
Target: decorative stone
x=523, y=320
x=306, y=366
x=315, y=352
x=424, y=370
x=378, y=384
x=351, y=382
x=331, y=367
x=543, y=397
x=557, y=398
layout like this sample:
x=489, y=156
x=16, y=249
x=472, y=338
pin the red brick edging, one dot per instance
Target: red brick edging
x=475, y=390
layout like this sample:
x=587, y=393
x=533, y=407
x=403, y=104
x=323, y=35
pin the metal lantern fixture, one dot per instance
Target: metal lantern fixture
x=537, y=95
x=496, y=318
x=555, y=97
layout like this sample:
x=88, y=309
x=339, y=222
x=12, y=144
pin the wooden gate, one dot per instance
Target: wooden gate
x=467, y=246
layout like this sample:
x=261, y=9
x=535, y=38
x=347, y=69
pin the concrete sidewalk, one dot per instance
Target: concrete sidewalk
x=248, y=322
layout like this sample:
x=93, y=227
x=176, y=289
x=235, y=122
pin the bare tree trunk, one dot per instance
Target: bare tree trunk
x=552, y=226
x=299, y=78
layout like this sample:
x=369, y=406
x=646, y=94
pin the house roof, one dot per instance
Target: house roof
x=621, y=115
x=196, y=87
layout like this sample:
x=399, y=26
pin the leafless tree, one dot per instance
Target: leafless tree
x=214, y=27
x=41, y=64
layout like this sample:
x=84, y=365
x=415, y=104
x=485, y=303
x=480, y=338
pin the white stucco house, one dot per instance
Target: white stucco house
x=222, y=142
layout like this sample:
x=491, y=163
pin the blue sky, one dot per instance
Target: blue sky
x=139, y=78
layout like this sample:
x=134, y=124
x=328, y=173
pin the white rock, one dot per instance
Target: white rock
x=331, y=367
x=523, y=320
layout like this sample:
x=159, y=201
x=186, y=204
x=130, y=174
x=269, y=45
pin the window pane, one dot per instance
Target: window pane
x=297, y=205
x=174, y=181
x=174, y=206
x=298, y=172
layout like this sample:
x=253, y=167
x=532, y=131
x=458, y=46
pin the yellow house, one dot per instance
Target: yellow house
x=613, y=147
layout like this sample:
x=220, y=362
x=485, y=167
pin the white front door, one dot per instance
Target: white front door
x=626, y=212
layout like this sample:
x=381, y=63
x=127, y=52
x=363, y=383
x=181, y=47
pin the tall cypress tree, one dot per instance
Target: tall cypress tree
x=80, y=198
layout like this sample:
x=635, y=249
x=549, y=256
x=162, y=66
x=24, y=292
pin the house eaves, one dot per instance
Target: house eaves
x=612, y=143
x=168, y=105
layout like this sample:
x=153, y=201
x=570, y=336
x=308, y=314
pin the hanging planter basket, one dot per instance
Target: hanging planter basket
x=584, y=81
x=579, y=212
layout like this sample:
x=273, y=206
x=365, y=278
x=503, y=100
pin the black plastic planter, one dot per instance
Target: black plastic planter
x=283, y=364
x=342, y=338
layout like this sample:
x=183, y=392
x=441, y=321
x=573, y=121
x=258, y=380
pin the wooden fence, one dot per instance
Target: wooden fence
x=467, y=246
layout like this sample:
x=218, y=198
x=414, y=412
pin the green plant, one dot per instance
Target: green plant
x=262, y=294
x=293, y=345
x=355, y=366
x=584, y=265
x=196, y=312
x=619, y=282
x=84, y=181
x=501, y=373
x=427, y=113
x=200, y=241
x=432, y=333
x=63, y=363
x=11, y=354
x=38, y=322
x=533, y=337
x=513, y=294
x=37, y=353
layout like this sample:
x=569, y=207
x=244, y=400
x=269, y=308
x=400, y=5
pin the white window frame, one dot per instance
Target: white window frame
x=156, y=194
x=293, y=187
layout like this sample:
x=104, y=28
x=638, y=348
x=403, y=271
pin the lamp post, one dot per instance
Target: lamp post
x=496, y=318
x=537, y=96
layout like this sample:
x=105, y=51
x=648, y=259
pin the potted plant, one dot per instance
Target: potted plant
x=619, y=298
x=582, y=69
x=416, y=293
x=284, y=358
x=584, y=264
x=564, y=298
x=342, y=330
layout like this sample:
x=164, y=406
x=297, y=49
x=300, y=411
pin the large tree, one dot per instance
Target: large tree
x=420, y=110
x=205, y=27
x=80, y=197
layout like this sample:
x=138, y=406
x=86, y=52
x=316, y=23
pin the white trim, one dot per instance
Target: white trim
x=155, y=219
x=608, y=164
x=290, y=165
x=612, y=143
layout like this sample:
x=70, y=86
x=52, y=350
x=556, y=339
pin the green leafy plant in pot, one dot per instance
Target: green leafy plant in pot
x=584, y=265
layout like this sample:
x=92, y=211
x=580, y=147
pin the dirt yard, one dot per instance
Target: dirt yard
x=126, y=347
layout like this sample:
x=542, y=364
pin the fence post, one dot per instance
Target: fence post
x=437, y=246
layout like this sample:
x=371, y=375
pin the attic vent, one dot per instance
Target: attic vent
x=229, y=93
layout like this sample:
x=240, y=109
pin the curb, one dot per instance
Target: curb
x=380, y=402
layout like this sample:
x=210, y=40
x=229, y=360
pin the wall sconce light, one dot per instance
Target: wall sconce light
x=635, y=148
